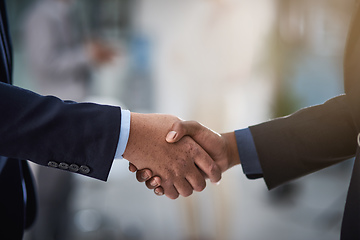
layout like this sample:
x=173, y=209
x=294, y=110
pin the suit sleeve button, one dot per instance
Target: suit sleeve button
x=84, y=169
x=53, y=164
x=74, y=168
x=64, y=166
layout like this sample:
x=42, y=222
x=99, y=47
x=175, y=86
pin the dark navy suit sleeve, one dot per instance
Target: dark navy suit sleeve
x=247, y=153
x=49, y=131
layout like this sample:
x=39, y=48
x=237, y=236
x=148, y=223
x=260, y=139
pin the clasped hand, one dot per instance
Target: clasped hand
x=174, y=157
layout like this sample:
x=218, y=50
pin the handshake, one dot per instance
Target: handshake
x=174, y=157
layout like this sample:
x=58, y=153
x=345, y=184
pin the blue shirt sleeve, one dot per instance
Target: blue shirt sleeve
x=247, y=153
x=124, y=134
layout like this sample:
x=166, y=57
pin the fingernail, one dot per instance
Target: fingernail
x=144, y=175
x=171, y=136
x=153, y=183
x=157, y=192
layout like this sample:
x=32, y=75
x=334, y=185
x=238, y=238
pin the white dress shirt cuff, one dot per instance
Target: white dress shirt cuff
x=124, y=134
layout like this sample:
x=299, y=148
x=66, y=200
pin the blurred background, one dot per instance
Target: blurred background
x=226, y=63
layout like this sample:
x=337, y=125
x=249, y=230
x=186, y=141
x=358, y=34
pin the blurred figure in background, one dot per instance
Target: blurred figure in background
x=59, y=57
x=61, y=61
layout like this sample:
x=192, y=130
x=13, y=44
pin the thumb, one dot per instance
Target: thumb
x=204, y=136
x=178, y=131
x=172, y=137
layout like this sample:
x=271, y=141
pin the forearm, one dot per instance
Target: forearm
x=44, y=129
x=306, y=141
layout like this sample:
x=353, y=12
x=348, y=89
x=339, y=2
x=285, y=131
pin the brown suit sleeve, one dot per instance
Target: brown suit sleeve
x=306, y=141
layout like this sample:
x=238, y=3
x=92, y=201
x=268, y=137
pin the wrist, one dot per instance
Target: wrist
x=231, y=149
x=133, y=135
x=146, y=130
x=124, y=134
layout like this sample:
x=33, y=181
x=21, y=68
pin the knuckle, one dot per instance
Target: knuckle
x=197, y=151
x=193, y=150
x=177, y=125
x=214, y=171
x=188, y=144
x=197, y=124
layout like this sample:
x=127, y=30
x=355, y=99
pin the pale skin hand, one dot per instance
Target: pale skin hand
x=221, y=147
x=177, y=164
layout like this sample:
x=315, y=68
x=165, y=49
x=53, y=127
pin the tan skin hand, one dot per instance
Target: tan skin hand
x=145, y=175
x=177, y=164
x=221, y=147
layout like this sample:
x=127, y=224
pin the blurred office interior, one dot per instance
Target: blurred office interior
x=228, y=64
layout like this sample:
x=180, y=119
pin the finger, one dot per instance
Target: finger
x=183, y=187
x=206, y=137
x=170, y=191
x=206, y=164
x=181, y=128
x=197, y=181
x=202, y=173
x=159, y=191
x=143, y=175
x=132, y=167
x=173, y=137
x=153, y=182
